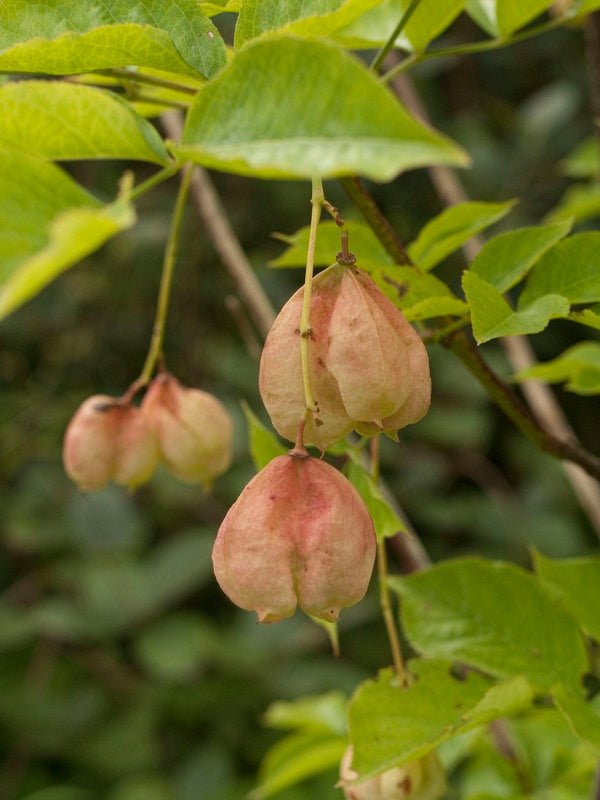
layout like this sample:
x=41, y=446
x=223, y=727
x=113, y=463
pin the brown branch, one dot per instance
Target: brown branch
x=539, y=396
x=591, y=30
x=362, y=199
x=464, y=347
x=225, y=241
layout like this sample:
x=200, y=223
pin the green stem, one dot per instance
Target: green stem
x=316, y=200
x=151, y=80
x=166, y=280
x=378, y=60
x=469, y=49
x=385, y=601
x=159, y=177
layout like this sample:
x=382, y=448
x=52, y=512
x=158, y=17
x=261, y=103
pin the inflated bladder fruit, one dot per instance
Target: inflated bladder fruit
x=299, y=534
x=368, y=368
x=193, y=429
x=423, y=779
x=108, y=440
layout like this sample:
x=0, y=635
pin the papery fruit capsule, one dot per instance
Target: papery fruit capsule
x=423, y=779
x=193, y=429
x=299, y=534
x=109, y=440
x=368, y=368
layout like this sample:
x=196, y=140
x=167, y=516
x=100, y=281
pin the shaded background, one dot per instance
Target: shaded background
x=125, y=673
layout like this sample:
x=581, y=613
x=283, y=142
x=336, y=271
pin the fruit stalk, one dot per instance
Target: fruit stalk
x=316, y=200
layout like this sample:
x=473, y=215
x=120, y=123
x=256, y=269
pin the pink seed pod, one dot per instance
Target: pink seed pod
x=423, y=779
x=193, y=429
x=107, y=440
x=299, y=534
x=368, y=368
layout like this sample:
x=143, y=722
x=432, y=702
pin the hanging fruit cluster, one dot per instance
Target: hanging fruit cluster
x=299, y=534
x=110, y=439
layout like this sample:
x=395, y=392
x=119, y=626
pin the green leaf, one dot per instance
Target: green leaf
x=323, y=712
x=363, y=243
x=62, y=37
x=588, y=316
x=491, y=315
x=583, y=718
x=494, y=616
x=264, y=444
x=295, y=758
x=65, y=121
x=580, y=202
x=571, y=268
x=298, y=17
x=484, y=14
x=575, y=581
x=419, y=294
x=584, y=160
x=257, y=118
x=374, y=28
x=505, y=260
x=578, y=365
x=390, y=725
x=47, y=224
x=387, y=523
x=504, y=17
x=586, y=6
x=452, y=228
x=513, y=14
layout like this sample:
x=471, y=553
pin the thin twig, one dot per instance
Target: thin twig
x=151, y=80
x=224, y=239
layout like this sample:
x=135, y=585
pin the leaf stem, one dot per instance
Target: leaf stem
x=166, y=280
x=378, y=60
x=385, y=601
x=470, y=48
x=154, y=180
x=316, y=200
x=151, y=80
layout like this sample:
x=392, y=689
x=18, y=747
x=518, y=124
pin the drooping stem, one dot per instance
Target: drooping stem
x=385, y=601
x=378, y=60
x=166, y=280
x=151, y=80
x=344, y=256
x=305, y=330
x=154, y=180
